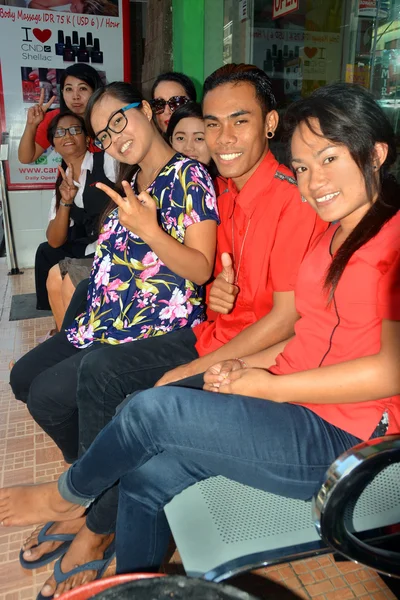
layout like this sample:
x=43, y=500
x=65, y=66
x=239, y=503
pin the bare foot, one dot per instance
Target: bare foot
x=87, y=546
x=33, y=551
x=31, y=504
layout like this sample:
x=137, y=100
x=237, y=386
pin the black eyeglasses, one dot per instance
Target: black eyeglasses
x=158, y=104
x=62, y=131
x=116, y=123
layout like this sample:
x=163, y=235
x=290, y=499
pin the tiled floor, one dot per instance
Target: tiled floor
x=27, y=455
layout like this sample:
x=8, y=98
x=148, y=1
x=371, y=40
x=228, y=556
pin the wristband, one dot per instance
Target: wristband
x=66, y=204
x=242, y=363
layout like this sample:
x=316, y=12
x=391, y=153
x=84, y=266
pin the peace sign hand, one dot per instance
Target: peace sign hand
x=68, y=189
x=136, y=213
x=36, y=113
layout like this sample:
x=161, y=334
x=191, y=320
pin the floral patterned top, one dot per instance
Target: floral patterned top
x=132, y=295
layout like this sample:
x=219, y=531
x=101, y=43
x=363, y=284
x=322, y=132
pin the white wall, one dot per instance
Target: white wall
x=29, y=217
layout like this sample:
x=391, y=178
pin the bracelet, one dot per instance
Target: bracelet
x=242, y=363
x=66, y=204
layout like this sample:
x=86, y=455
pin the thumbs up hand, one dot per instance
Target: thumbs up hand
x=224, y=291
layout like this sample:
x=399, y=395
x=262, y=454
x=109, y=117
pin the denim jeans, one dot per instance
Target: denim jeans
x=166, y=439
x=72, y=394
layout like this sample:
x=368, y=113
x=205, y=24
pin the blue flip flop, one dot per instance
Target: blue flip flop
x=95, y=565
x=47, y=558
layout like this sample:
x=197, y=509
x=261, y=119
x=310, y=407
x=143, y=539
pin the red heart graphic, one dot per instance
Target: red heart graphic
x=42, y=34
x=309, y=52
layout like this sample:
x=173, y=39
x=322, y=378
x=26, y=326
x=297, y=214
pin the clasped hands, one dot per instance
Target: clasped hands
x=232, y=377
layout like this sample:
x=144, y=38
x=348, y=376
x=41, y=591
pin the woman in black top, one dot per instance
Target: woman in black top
x=77, y=204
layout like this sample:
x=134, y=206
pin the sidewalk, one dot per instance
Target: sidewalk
x=27, y=455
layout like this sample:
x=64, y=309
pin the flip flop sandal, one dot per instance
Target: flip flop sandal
x=43, y=536
x=95, y=565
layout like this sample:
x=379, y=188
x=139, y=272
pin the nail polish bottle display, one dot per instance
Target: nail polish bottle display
x=68, y=54
x=83, y=54
x=96, y=54
x=45, y=84
x=28, y=84
x=75, y=42
x=279, y=63
x=59, y=75
x=59, y=46
x=89, y=42
x=268, y=63
x=52, y=79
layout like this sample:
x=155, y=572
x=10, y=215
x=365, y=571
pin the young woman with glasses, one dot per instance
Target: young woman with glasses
x=75, y=209
x=169, y=92
x=155, y=251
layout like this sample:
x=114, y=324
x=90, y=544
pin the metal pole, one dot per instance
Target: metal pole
x=375, y=42
x=6, y=213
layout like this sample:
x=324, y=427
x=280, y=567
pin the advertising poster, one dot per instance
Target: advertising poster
x=296, y=59
x=38, y=40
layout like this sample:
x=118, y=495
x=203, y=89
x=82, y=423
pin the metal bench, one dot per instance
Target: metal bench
x=222, y=528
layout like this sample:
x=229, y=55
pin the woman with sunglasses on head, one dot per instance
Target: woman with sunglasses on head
x=77, y=84
x=155, y=251
x=277, y=419
x=75, y=209
x=170, y=91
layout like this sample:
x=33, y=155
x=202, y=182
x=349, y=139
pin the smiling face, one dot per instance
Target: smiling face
x=328, y=176
x=236, y=130
x=166, y=90
x=133, y=143
x=188, y=139
x=70, y=146
x=76, y=94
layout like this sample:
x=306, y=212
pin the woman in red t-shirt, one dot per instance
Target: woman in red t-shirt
x=77, y=84
x=282, y=416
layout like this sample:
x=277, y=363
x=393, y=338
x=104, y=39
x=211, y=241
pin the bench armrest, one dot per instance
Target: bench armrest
x=334, y=504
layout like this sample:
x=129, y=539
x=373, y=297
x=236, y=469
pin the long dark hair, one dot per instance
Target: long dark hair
x=126, y=93
x=176, y=77
x=188, y=110
x=347, y=114
x=50, y=137
x=83, y=72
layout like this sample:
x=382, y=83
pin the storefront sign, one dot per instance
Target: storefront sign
x=36, y=45
x=283, y=7
x=368, y=8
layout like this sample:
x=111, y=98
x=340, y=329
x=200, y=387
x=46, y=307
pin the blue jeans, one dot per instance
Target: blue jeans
x=165, y=439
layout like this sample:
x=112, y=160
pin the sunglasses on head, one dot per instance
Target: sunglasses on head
x=62, y=131
x=158, y=104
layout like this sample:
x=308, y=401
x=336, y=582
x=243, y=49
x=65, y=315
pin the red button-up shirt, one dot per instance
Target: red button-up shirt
x=267, y=229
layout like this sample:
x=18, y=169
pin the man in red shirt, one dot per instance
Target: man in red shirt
x=265, y=228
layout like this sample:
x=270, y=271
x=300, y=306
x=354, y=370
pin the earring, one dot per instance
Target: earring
x=270, y=135
x=303, y=199
x=375, y=166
